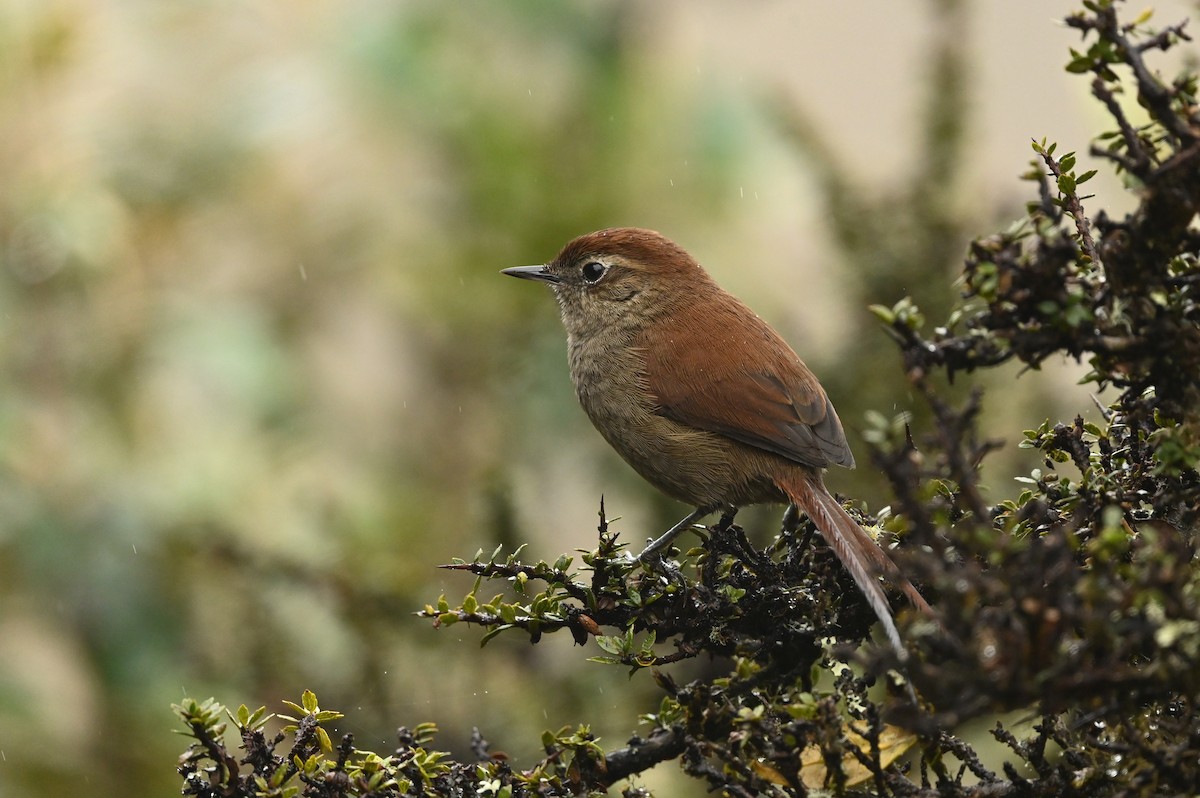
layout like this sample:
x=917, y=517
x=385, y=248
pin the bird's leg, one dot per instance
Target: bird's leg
x=791, y=519
x=656, y=547
x=787, y=529
x=737, y=541
x=727, y=516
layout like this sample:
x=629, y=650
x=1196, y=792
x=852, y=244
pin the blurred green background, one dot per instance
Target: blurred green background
x=260, y=373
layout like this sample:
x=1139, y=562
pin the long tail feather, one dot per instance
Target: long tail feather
x=857, y=552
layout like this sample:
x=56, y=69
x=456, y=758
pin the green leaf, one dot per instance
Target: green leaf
x=732, y=593
x=1079, y=65
x=883, y=313
x=611, y=644
x=490, y=633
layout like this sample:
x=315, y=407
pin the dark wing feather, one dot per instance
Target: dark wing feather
x=764, y=396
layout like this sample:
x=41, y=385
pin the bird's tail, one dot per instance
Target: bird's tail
x=855, y=549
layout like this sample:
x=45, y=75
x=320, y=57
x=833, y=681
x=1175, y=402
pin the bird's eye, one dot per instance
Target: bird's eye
x=592, y=271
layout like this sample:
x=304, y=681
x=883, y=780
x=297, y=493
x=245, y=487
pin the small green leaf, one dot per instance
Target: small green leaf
x=883, y=313
x=1079, y=65
x=611, y=644
x=732, y=593
x=490, y=633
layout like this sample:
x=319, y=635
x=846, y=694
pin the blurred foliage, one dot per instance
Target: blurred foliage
x=256, y=350
x=1075, y=603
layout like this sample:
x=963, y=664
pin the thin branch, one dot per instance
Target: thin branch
x=1156, y=96
x=1139, y=161
x=492, y=570
x=1075, y=208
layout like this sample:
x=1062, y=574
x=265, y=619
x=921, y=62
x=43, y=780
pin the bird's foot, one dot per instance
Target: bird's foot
x=655, y=550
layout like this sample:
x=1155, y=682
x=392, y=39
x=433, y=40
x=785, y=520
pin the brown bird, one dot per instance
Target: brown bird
x=701, y=396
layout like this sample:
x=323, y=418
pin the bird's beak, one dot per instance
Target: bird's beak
x=538, y=273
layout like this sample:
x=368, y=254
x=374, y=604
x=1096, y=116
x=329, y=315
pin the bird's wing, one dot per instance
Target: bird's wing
x=763, y=395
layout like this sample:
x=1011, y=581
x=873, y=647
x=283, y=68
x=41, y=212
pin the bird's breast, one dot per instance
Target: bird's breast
x=610, y=383
x=690, y=464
